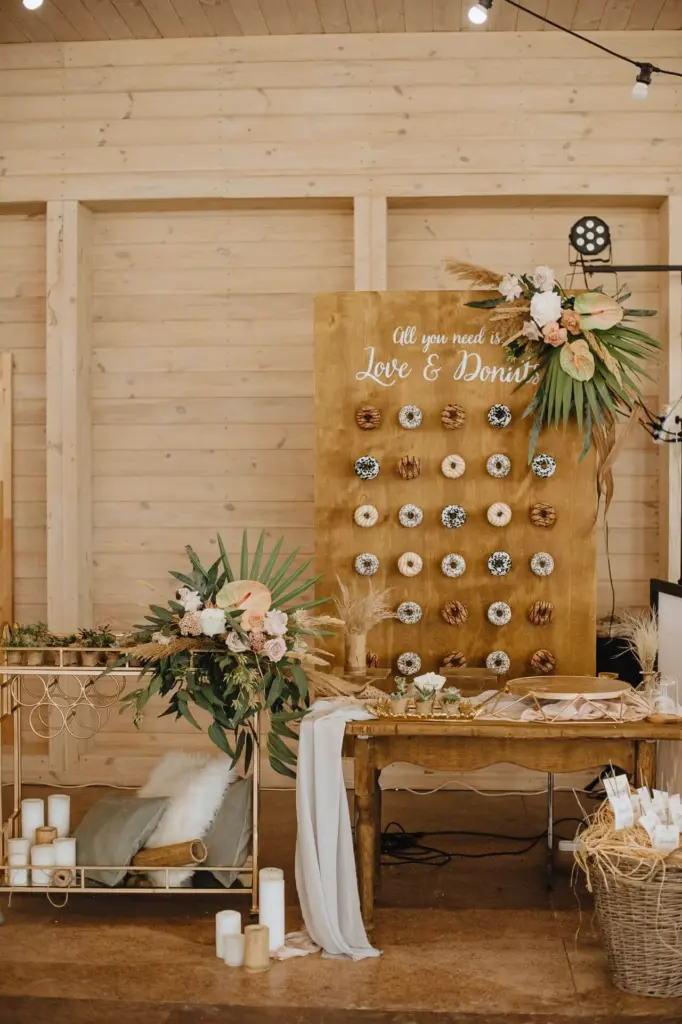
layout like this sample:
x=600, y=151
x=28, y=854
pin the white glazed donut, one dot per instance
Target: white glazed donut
x=499, y=613
x=409, y=612
x=453, y=466
x=410, y=564
x=410, y=516
x=498, y=465
x=499, y=514
x=410, y=417
x=366, y=564
x=453, y=565
x=409, y=663
x=365, y=515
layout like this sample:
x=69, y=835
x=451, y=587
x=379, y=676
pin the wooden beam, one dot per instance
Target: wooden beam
x=370, y=226
x=6, y=549
x=69, y=428
x=671, y=389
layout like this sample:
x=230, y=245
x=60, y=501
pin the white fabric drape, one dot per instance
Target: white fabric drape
x=326, y=878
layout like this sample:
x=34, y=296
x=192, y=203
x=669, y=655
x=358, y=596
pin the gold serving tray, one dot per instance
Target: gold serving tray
x=437, y=713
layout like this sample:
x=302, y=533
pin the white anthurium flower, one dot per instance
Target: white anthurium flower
x=545, y=307
x=235, y=642
x=511, y=287
x=189, y=599
x=275, y=622
x=212, y=621
x=430, y=681
x=543, y=279
x=531, y=331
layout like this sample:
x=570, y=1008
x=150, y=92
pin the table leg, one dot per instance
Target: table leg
x=645, y=763
x=366, y=824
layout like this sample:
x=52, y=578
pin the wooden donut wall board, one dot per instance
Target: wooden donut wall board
x=428, y=349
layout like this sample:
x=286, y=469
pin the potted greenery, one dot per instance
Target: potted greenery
x=399, y=697
x=424, y=697
x=451, y=697
x=36, y=637
x=96, y=640
x=12, y=639
x=68, y=657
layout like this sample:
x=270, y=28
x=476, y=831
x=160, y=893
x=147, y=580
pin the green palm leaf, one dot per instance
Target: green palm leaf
x=271, y=562
x=244, y=566
x=225, y=560
x=283, y=569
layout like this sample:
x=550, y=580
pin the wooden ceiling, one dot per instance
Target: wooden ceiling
x=73, y=20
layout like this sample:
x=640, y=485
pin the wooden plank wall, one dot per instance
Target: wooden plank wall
x=202, y=382
x=22, y=332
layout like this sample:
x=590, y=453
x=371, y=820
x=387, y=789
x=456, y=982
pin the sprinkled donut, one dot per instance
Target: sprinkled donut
x=542, y=564
x=453, y=565
x=409, y=612
x=367, y=467
x=499, y=416
x=499, y=613
x=498, y=466
x=453, y=466
x=543, y=466
x=410, y=515
x=498, y=662
x=410, y=417
x=453, y=516
x=499, y=563
x=409, y=663
x=366, y=564
x=499, y=514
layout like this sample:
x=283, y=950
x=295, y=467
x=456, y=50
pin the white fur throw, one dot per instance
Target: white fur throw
x=195, y=785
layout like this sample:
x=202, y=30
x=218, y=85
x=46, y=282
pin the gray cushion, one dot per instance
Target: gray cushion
x=229, y=839
x=113, y=831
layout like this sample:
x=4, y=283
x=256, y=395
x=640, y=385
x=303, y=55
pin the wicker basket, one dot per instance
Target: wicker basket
x=640, y=915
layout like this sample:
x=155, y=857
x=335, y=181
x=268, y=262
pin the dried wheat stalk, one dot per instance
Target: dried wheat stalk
x=363, y=612
x=479, y=277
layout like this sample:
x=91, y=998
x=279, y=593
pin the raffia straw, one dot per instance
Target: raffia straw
x=640, y=632
x=324, y=684
x=480, y=277
x=625, y=854
x=154, y=652
x=361, y=613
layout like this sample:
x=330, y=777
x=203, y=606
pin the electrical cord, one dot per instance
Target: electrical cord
x=406, y=847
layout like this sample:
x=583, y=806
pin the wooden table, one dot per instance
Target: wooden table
x=466, y=746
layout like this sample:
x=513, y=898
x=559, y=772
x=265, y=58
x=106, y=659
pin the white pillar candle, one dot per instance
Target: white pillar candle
x=32, y=817
x=18, y=852
x=233, y=948
x=271, y=903
x=42, y=857
x=227, y=922
x=65, y=853
x=59, y=813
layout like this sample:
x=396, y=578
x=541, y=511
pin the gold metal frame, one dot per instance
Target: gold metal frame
x=77, y=699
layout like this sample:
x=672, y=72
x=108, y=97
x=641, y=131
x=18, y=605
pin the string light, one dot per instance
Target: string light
x=645, y=71
x=640, y=89
x=478, y=14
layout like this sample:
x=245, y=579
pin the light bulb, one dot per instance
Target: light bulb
x=32, y=5
x=640, y=91
x=478, y=14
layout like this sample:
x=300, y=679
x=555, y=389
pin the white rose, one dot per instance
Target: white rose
x=510, y=287
x=543, y=278
x=189, y=599
x=235, y=642
x=275, y=649
x=275, y=622
x=430, y=681
x=212, y=621
x=531, y=331
x=161, y=638
x=545, y=307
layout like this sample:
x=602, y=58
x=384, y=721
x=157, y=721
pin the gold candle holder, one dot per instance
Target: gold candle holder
x=256, y=948
x=45, y=834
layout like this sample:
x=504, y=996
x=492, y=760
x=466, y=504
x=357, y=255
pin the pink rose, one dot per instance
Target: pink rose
x=554, y=335
x=252, y=621
x=275, y=649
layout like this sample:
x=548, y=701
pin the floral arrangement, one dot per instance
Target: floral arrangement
x=234, y=645
x=586, y=360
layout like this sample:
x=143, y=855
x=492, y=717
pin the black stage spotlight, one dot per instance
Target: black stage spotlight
x=590, y=237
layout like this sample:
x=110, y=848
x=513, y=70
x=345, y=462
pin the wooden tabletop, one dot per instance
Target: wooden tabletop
x=601, y=729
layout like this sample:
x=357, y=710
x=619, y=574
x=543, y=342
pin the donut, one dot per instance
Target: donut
x=366, y=564
x=410, y=417
x=499, y=416
x=453, y=516
x=498, y=466
x=499, y=514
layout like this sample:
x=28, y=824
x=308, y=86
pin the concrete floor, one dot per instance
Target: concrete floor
x=478, y=940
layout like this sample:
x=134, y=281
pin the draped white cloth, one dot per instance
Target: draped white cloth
x=326, y=878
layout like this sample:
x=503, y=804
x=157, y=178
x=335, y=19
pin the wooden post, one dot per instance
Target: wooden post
x=366, y=824
x=6, y=551
x=670, y=389
x=69, y=475
x=645, y=763
x=370, y=229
